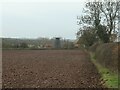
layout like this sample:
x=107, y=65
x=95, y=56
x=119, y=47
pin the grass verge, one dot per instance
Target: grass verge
x=110, y=78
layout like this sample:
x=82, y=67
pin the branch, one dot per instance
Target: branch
x=101, y=8
x=117, y=8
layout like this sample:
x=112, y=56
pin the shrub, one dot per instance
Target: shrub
x=107, y=56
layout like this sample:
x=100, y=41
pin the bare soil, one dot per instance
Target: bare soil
x=49, y=69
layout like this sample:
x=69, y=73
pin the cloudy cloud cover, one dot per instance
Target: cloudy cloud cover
x=43, y=18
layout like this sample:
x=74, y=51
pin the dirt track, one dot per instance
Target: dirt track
x=49, y=69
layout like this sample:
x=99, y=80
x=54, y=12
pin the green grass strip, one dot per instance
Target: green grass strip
x=110, y=78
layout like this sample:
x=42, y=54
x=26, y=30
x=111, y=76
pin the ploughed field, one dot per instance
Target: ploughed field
x=48, y=69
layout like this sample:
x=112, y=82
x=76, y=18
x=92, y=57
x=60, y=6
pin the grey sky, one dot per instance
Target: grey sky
x=40, y=19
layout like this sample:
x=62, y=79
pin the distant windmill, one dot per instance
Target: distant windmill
x=57, y=43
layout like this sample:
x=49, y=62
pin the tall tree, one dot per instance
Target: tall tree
x=103, y=16
x=110, y=11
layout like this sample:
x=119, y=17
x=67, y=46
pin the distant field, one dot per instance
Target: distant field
x=49, y=69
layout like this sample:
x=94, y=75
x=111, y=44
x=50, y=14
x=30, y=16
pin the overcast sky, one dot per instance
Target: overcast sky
x=43, y=18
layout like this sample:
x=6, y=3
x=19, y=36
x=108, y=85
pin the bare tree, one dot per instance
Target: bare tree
x=110, y=10
x=101, y=14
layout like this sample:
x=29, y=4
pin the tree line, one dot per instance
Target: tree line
x=39, y=43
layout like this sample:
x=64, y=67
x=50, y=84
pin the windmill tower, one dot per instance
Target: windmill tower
x=57, y=43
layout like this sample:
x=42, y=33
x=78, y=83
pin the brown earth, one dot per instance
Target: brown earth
x=48, y=69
